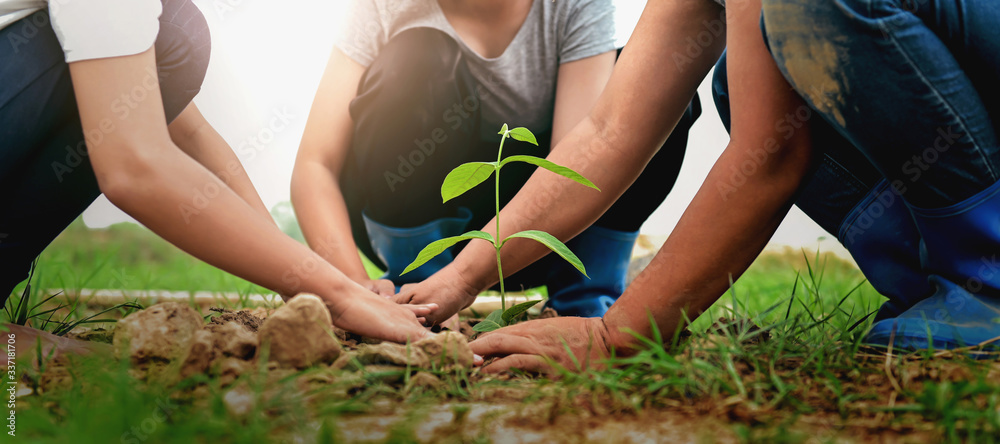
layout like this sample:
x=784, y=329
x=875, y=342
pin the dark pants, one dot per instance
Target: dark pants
x=46, y=179
x=409, y=134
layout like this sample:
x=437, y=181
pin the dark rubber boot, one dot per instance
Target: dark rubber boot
x=959, y=250
x=884, y=241
x=398, y=247
x=606, y=255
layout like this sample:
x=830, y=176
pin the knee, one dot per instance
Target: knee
x=183, y=49
x=415, y=57
x=720, y=91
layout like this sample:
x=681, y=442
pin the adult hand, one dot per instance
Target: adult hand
x=377, y=317
x=381, y=287
x=572, y=343
x=446, y=288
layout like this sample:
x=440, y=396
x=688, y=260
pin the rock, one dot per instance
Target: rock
x=239, y=401
x=299, y=334
x=230, y=369
x=392, y=354
x=56, y=377
x=424, y=379
x=200, y=355
x=159, y=334
x=347, y=361
x=233, y=339
x=261, y=312
x=446, y=349
x=92, y=334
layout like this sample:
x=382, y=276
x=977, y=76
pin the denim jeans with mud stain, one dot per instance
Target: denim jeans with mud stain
x=46, y=180
x=911, y=84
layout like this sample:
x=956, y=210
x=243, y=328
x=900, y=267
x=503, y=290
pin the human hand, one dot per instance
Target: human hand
x=534, y=346
x=377, y=317
x=446, y=288
x=381, y=287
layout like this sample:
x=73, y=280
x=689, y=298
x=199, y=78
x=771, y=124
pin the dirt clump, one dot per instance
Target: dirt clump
x=446, y=349
x=300, y=334
x=244, y=317
x=200, y=354
x=104, y=335
x=157, y=335
x=391, y=354
x=233, y=339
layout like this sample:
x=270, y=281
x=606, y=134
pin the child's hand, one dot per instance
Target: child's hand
x=446, y=288
x=377, y=317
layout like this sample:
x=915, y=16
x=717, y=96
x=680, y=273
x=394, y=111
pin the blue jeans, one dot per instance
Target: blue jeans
x=926, y=124
x=46, y=180
x=912, y=84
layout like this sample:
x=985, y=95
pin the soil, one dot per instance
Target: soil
x=168, y=342
x=172, y=338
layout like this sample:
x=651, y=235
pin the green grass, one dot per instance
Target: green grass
x=130, y=257
x=785, y=365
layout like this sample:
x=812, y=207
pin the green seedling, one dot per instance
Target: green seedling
x=468, y=175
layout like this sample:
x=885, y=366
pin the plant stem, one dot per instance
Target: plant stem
x=496, y=239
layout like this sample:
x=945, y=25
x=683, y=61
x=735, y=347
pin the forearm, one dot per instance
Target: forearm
x=322, y=214
x=198, y=213
x=613, y=144
x=144, y=173
x=194, y=136
x=740, y=205
x=717, y=238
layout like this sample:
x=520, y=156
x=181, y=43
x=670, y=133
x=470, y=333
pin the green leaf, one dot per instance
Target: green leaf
x=503, y=131
x=553, y=167
x=554, y=244
x=524, y=135
x=492, y=322
x=464, y=177
x=517, y=310
x=486, y=326
x=439, y=246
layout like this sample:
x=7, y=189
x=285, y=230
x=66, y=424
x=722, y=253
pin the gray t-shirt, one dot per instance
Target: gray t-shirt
x=519, y=87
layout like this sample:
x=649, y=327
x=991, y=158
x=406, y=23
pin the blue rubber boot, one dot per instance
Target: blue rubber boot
x=398, y=247
x=959, y=251
x=884, y=241
x=606, y=254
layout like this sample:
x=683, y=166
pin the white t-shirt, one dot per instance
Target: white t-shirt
x=87, y=29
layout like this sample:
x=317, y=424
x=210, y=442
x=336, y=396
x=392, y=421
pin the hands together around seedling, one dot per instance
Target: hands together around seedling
x=544, y=345
x=446, y=289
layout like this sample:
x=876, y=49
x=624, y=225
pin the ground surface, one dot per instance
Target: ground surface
x=784, y=364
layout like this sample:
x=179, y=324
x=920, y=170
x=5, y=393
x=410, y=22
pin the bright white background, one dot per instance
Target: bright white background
x=268, y=56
